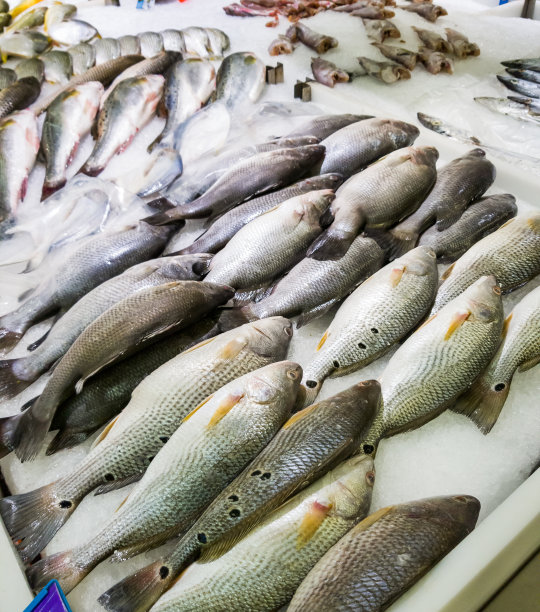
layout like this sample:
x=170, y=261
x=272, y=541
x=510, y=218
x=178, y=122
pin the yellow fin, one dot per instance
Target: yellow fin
x=105, y=432
x=396, y=275
x=188, y=416
x=427, y=321
x=312, y=520
x=506, y=324
x=201, y=344
x=322, y=341
x=457, y=321
x=224, y=407
x=448, y=271
x=299, y=415
x=23, y=6
x=122, y=503
x=232, y=348
x=372, y=518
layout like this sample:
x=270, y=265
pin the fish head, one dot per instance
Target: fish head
x=356, y=405
x=424, y=156
x=211, y=292
x=269, y=337
x=275, y=382
x=403, y=133
x=483, y=301
x=189, y=267
x=474, y=154
x=454, y=512
x=308, y=155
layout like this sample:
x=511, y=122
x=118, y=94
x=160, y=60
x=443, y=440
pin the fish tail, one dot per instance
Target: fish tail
x=33, y=518
x=9, y=338
x=64, y=567
x=482, y=403
x=10, y=383
x=401, y=241
x=91, y=169
x=331, y=244
x=31, y=431
x=161, y=218
x=66, y=439
x=50, y=187
x=234, y=317
x=140, y=590
x=8, y=436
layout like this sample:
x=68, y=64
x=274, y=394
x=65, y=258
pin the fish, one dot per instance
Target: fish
x=514, y=109
x=433, y=41
x=331, y=429
x=368, y=569
x=387, y=72
x=93, y=262
x=355, y=146
x=512, y=254
x=439, y=361
x=327, y=73
x=33, y=67
x=532, y=104
x=72, y=32
x=287, y=544
x=151, y=43
x=240, y=79
x=518, y=352
x=461, y=47
x=55, y=13
x=323, y=126
x=321, y=43
x=379, y=313
x=521, y=86
x=188, y=86
x=156, y=409
x=58, y=66
x=528, y=75
x=107, y=393
x=329, y=282
x=459, y=183
x=129, y=45
x=271, y=243
x=19, y=144
x=173, y=40
x=28, y=20
x=427, y=10
x=398, y=54
x=380, y=29
x=128, y=109
x=202, y=456
x=83, y=57
x=23, y=44
x=377, y=198
x=106, y=49
x=226, y=226
x=48, y=350
x=435, y=62
x=479, y=220
x=247, y=178
x=280, y=46
x=68, y=120
x=196, y=42
x=19, y=95
x=218, y=41
x=372, y=12
x=523, y=64
x=8, y=77
x=349, y=8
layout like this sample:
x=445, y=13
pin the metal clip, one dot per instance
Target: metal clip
x=274, y=75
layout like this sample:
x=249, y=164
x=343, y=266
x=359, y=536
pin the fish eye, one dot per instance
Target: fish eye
x=499, y=387
x=370, y=478
x=461, y=499
x=292, y=374
x=288, y=331
x=311, y=384
x=497, y=290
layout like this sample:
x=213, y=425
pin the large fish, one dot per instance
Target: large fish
x=265, y=568
x=519, y=351
x=323, y=126
x=128, y=109
x=439, y=361
x=215, y=441
x=157, y=407
x=271, y=243
x=19, y=95
x=380, y=196
x=309, y=444
x=240, y=79
x=99, y=258
x=19, y=144
x=68, y=119
x=376, y=316
x=248, y=177
x=385, y=554
x=511, y=254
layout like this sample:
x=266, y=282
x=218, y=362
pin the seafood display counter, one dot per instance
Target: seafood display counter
x=254, y=139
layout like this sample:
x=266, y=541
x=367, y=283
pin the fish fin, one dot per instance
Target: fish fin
x=161, y=204
x=10, y=384
x=33, y=518
x=121, y=504
x=162, y=218
x=233, y=318
x=64, y=567
x=530, y=363
x=224, y=408
x=9, y=339
x=300, y=415
x=118, y=484
x=79, y=385
x=372, y=518
x=8, y=433
x=396, y=275
x=447, y=272
x=67, y=439
x=232, y=349
x=30, y=433
x=190, y=414
x=322, y=341
x=311, y=522
x=457, y=321
x=127, y=552
x=105, y=432
x=482, y=404
x=315, y=313
x=506, y=324
x=33, y=346
x=331, y=244
x=140, y=590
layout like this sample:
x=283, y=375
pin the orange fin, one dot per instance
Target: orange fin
x=312, y=520
x=457, y=321
x=105, y=432
x=201, y=344
x=322, y=341
x=232, y=348
x=506, y=324
x=427, y=321
x=372, y=518
x=122, y=503
x=188, y=416
x=224, y=407
x=396, y=274
x=448, y=271
x=299, y=415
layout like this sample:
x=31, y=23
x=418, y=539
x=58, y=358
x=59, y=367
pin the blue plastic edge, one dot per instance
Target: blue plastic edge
x=41, y=595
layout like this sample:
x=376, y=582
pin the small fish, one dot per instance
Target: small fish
x=523, y=64
x=349, y=8
x=461, y=47
x=83, y=57
x=372, y=11
x=323, y=126
x=433, y=41
x=479, y=220
x=328, y=73
x=156, y=409
x=173, y=40
x=32, y=67
x=19, y=144
x=106, y=49
x=528, y=75
x=387, y=72
x=433, y=367
x=240, y=78
x=314, y=40
x=196, y=42
x=377, y=198
x=532, y=104
x=8, y=77
x=72, y=32
x=380, y=29
x=58, y=66
x=129, y=45
x=271, y=243
x=435, y=61
x=58, y=12
x=525, y=88
x=331, y=429
x=26, y=21
x=68, y=120
x=128, y=109
x=398, y=54
x=427, y=10
x=359, y=572
x=281, y=46
x=512, y=254
x=504, y=106
x=23, y=44
x=151, y=43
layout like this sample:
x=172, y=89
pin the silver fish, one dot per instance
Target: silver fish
x=32, y=67
x=240, y=79
x=323, y=126
x=521, y=86
x=23, y=44
x=218, y=41
x=151, y=43
x=523, y=64
x=129, y=45
x=528, y=75
x=58, y=66
x=173, y=40
x=106, y=49
x=72, y=32
x=504, y=106
x=8, y=76
x=196, y=42
x=83, y=57
x=57, y=13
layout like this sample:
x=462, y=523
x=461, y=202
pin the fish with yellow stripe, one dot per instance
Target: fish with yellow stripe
x=214, y=442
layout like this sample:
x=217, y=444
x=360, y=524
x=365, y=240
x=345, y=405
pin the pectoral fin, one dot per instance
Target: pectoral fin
x=311, y=522
x=224, y=407
x=457, y=321
x=322, y=341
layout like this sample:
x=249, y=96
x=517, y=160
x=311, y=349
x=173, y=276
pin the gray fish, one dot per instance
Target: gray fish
x=377, y=198
x=8, y=76
x=173, y=40
x=58, y=66
x=256, y=174
x=72, y=32
x=156, y=409
x=458, y=184
x=387, y=72
x=372, y=11
x=151, y=43
x=23, y=44
x=106, y=49
x=433, y=41
x=528, y=75
x=461, y=47
x=314, y=40
x=19, y=95
x=32, y=67
x=240, y=79
x=218, y=40
x=427, y=10
x=323, y=126
x=504, y=106
x=355, y=146
x=381, y=29
x=398, y=54
x=129, y=45
x=280, y=46
x=523, y=64
x=57, y=13
x=435, y=61
x=83, y=57
x=480, y=219
x=328, y=73
x=196, y=42
x=533, y=104
x=99, y=258
x=525, y=88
